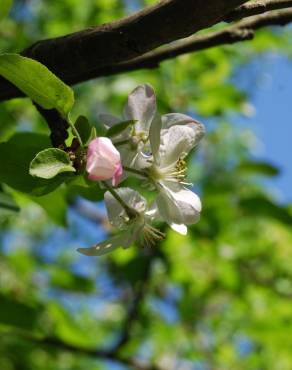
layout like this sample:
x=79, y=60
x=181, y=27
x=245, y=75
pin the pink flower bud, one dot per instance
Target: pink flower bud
x=103, y=161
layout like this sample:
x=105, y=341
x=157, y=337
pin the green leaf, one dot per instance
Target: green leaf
x=79, y=186
x=49, y=163
x=93, y=134
x=7, y=203
x=262, y=206
x=16, y=155
x=20, y=315
x=119, y=127
x=263, y=168
x=55, y=205
x=64, y=279
x=84, y=128
x=66, y=328
x=5, y=6
x=37, y=82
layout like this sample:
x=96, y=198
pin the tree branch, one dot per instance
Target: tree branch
x=74, y=56
x=57, y=125
x=255, y=8
x=96, y=353
x=113, y=353
x=140, y=291
x=241, y=31
x=146, y=35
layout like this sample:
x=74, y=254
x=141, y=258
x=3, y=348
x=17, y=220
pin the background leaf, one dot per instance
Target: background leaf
x=261, y=168
x=263, y=206
x=55, y=206
x=5, y=6
x=20, y=315
x=16, y=155
x=7, y=203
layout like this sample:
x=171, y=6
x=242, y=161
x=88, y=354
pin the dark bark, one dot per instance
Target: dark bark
x=73, y=57
x=57, y=125
x=241, y=31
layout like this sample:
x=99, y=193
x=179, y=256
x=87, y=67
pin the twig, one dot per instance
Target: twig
x=113, y=353
x=140, y=291
x=257, y=7
x=59, y=344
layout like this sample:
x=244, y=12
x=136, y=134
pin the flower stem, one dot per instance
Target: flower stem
x=131, y=212
x=74, y=130
x=137, y=172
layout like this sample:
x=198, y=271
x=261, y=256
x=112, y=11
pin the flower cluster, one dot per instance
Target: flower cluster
x=153, y=148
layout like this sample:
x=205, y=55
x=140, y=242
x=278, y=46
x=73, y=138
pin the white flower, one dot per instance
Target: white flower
x=133, y=222
x=177, y=205
x=140, y=107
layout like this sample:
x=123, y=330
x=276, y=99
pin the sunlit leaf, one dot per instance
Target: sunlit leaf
x=49, y=163
x=36, y=81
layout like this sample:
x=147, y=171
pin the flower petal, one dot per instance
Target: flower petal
x=180, y=207
x=117, y=175
x=172, y=119
x=154, y=136
x=116, y=213
x=102, y=159
x=179, y=228
x=141, y=106
x=124, y=239
x=152, y=212
x=103, y=247
x=176, y=142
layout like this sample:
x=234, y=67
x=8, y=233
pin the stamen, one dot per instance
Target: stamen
x=151, y=235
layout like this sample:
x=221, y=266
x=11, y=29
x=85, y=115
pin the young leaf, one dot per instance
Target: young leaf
x=119, y=127
x=49, y=163
x=84, y=128
x=5, y=6
x=37, y=82
x=93, y=134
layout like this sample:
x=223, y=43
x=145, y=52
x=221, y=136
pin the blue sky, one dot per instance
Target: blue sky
x=272, y=123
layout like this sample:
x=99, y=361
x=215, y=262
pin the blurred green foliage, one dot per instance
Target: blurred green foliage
x=219, y=298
